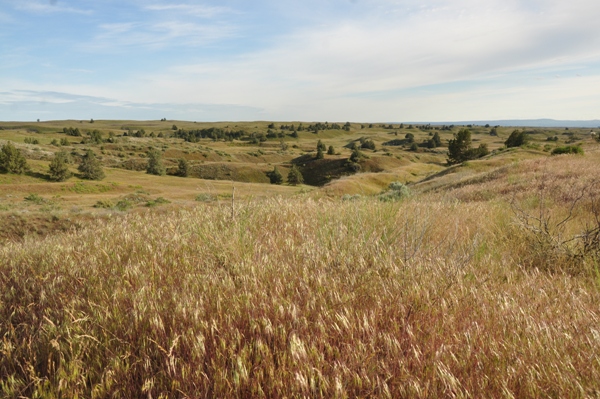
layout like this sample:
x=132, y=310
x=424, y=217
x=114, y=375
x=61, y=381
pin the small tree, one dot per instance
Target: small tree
x=330, y=150
x=11, y=160
x=275, y=176
x=321, y=146
x=183, y=168
x=90, y=167
x=320, y=154
x=155, y=165
x=516, y=139
x=295, y=176
x=436, y=139
x=59, y=167
x=355, y=156
x=459, y=146
x=410, y=138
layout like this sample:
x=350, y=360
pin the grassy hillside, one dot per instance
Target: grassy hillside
x=483, y=282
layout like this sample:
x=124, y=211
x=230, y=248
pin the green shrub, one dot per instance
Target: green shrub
x=205, y=197
x=59, y=167
x=396, y=191
x=275, y=176
x=90, y=167
x=124, y=205
x=106, y=204
x=35, y=198
x=12, y=160
x=568, y=149
x=158, y=201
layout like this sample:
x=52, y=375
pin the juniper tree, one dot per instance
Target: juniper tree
x=155, y=165
x=295, y=176
x=90, y=167
x=275, y=176
x=59, y=167
x=12, y=160
x=183, y=168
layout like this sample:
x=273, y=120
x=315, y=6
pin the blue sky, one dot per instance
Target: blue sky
x=335, y=60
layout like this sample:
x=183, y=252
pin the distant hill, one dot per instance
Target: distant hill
x=595, y=124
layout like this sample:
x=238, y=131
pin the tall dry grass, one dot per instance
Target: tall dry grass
x=296, y=298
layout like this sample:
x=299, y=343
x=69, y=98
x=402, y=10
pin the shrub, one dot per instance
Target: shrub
x=568, y=149
x=155, y=165
x=35, y=198
x=330, y=150
x=183, y=168
x=205, y=197
x=460, y=150
x=123, y=205
x=320, y=154
x=396, y=191
x=106, y=204
x=12, y=160
x=368, y=144
x=275, y=176
x=59, y=167
x=90, y=167
x=516, y=139
x=295, y=176
x=156, y=202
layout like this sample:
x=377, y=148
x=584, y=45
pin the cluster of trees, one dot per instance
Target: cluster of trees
x=71, y=132
x=460, y=149
x=214, y=133
x=294, y=176
x=13, y=161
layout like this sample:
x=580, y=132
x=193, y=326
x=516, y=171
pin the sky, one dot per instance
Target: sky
x=309, y=60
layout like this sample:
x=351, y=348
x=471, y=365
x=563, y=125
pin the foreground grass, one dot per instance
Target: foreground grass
x=295, y=298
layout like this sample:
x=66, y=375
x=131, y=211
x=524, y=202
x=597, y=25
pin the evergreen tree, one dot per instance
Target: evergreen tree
x=355, y=156
x=330, y=150
x=275, y=176
x=321, y=146
x=59, y=167
x=516, y=139
x=155, y=165
x=295, y=176
x=320, y=154
x=436, y=139
x=459, y=146
x=11, y=160
x=183, y=168
x=460, y=150
x=90, y=167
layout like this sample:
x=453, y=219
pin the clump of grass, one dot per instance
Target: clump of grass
x=205, y=197
x=106, y=204
x=158, y=201
x=35, y=198
x=124, y=205
x=294, y=298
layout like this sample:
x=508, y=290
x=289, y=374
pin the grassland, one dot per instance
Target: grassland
x=482, y=283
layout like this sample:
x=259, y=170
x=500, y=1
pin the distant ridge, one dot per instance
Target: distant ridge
x=594, y=124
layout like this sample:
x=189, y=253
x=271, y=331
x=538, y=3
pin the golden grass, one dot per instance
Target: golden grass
x=295, y=298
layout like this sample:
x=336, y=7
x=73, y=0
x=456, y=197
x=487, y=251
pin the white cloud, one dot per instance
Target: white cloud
x=189, y=9
x=157, y=35
x=46, y=8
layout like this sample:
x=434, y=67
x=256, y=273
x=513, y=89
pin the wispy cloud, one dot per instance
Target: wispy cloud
x=31, y=104
x=49, y=7
x=189, y=9
x=158, y=35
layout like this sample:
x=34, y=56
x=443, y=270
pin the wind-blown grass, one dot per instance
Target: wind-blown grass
x=295, y=298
